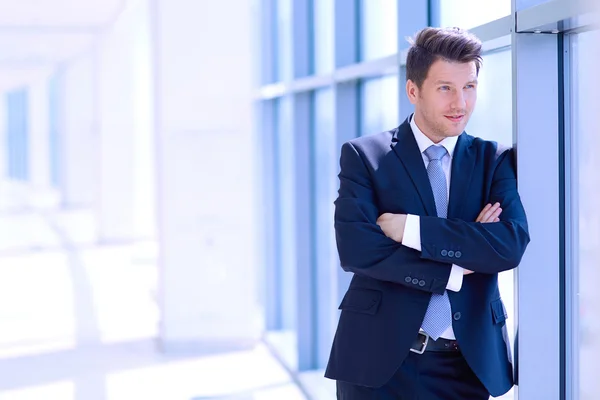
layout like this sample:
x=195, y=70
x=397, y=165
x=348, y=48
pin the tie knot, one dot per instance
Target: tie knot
x=434, y=152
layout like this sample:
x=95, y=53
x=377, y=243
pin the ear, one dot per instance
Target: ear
x=412, y=91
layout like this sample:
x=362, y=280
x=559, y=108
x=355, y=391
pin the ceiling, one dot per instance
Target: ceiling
x=35, y=35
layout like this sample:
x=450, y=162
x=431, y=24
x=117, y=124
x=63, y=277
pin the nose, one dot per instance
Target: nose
x=459, y=102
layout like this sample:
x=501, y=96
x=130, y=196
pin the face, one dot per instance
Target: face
x=446, y=99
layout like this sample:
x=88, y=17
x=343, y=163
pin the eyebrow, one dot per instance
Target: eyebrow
x=452, y=83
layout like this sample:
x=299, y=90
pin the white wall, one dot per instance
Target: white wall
x=78, y=134
x=204, y=122
x=115, y=96
x=144, y=173
x=3, y=147
x=127, y=192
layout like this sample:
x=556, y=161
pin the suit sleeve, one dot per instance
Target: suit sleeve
x=485, y=248
x=363, y=247
x=412, y=239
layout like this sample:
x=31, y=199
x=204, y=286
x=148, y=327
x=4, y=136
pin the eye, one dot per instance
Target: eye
x=444, y=88
x=470, y=86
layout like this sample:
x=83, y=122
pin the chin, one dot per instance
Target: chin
x=453, y=132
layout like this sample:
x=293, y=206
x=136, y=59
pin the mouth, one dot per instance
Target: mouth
x=455, y=118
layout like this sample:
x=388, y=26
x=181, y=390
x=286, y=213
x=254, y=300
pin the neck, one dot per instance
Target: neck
x=425, y=129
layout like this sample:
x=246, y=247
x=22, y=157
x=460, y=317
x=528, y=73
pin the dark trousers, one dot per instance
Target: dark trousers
x=427, y=376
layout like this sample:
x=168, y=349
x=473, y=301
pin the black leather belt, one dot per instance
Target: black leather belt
x=424, y=343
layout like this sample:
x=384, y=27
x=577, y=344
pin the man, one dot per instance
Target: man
x=426, y=218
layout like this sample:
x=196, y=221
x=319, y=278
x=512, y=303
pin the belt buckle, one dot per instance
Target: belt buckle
x=422, y=350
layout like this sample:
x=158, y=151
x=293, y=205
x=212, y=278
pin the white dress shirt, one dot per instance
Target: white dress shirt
x=412, y=230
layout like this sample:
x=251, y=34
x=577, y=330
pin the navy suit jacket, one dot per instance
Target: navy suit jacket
x=384, y=306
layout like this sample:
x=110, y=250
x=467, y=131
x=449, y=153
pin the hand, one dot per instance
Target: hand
x=392, y=225
x=490, y=213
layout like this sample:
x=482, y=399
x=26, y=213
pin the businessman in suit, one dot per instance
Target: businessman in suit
x=426, y=218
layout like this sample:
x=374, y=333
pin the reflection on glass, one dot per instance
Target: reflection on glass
x=523, y=4
x=53, y=127
x=467, y=14
x=286, y=207
x=17, y=134
x=378, y=28
x=325, y=159
x=325, y=184
x=492, y=120
x=379, y=105
x=586, y=197
x=283, y=40
x=323, y=36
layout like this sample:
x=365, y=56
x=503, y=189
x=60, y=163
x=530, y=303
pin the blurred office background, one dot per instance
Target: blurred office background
x=168, y=170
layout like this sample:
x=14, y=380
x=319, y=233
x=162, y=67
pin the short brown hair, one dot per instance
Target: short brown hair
x=432, y=44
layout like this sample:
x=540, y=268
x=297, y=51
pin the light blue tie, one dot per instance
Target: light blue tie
x=439, y=314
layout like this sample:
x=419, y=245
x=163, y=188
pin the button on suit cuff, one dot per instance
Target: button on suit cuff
x=456, y=278
x=412, y=232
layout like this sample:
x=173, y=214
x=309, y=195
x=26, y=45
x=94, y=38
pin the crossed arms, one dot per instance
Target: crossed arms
x=365, y=248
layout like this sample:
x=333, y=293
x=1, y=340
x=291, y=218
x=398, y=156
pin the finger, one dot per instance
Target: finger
x=489, y=212
x=492, y=217
x=485, y=209
x=482, y=212
x=495, y=215
x=497, y=220
x=486, y=215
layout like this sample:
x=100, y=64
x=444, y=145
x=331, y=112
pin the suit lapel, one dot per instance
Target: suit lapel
x=406, y=148
x=463, y=164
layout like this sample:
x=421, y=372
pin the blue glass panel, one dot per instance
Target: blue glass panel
x=283, y=40
x=325, y=184
x=287, y=211
x=378, y=28
x=586, y=214
x=379, y=105
x=323, y=35
x=467, y=14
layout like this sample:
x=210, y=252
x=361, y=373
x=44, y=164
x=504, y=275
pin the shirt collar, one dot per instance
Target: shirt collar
x=424, y=142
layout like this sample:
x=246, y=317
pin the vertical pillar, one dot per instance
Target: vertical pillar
x=205, y=160
x=76, y=132
x=116, y=113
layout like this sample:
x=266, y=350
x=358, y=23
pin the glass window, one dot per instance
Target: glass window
x=378, y=28
x=53, y=118
x=287, y=196
x=17, y=134
x=325, y=183
x=323, y=36
x=283, y=41
x=586, y=214
x=492, y=120
x=467, y=14
x=523, y=4
x=379, y=105
x=285, y=232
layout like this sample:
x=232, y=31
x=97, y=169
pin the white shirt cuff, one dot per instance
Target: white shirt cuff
x=412, y=232
x=456, y=278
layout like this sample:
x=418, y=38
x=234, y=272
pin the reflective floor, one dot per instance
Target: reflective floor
x=78, y=318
